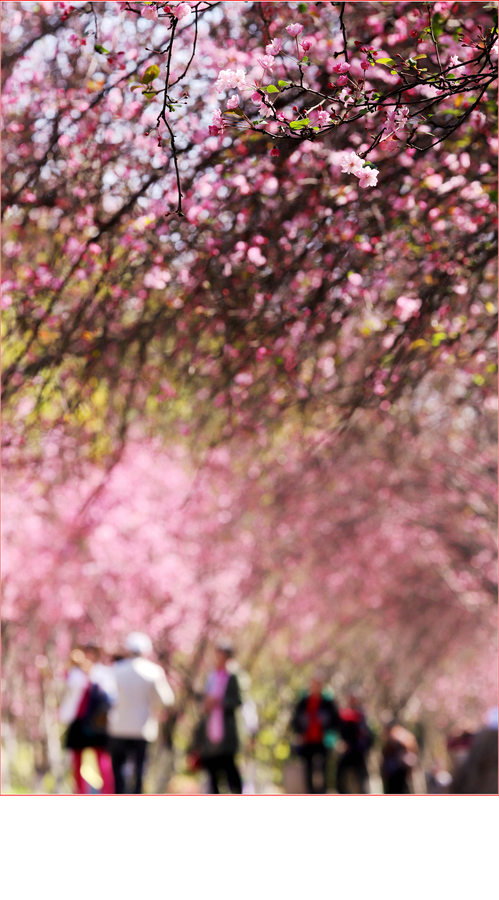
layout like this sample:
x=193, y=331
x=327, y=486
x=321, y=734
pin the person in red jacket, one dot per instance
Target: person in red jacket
x=315, y=720
x=357, y=738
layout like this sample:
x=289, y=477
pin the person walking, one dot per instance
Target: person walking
x=315, y=721
x=399, y=757
x=142, y=690
x=477, y=773
x=217, y=734
x=357, y=738
x=90, y=693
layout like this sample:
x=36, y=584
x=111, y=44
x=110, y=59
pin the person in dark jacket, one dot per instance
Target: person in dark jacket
x=218, y=740
x=351, y=775
x=399, y=754
x=315, y=721
x=477, y=773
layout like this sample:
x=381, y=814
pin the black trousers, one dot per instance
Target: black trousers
x=395, y=780
x=125, y=750
x=352, y=772
x=225, y=763
x=315, y=759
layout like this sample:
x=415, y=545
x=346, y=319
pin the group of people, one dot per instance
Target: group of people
x=319, y=725
x=115, y=708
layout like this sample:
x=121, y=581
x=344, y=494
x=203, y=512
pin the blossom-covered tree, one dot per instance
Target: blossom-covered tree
x=249, y=314
x=289, y=282
x=375, y=558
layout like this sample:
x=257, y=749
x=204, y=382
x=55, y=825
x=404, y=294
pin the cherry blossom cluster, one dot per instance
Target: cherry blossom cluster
x=354, y=165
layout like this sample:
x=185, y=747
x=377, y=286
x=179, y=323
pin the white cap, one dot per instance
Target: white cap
x=139, y=643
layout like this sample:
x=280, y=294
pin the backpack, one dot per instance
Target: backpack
x=355, y=731
x=89, y=729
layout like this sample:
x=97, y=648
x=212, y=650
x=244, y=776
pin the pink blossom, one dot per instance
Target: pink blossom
x=406, y=307
x=12, y=248
x=455, y=61
x=343, y=79
x=341, y=67
x=266, y=62
x=368, y=177
x=323, y=117
x=344, y=96
x=306, y=44
x=351, y=163
x=365, y=64
x=157, y=278
x=232, y=102
x=255, y=256
x=396, y=120
x=181, y=11
x=264, y=110
x=294, y=30
x=228, y=79
x=218, y=126
x=274, y=48
x=244, y=378
x=149, y=12
x=275, y=151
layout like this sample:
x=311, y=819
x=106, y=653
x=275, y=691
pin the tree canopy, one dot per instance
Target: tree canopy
x=249, y=327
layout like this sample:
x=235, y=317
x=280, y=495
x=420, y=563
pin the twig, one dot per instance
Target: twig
x=343, y=31
x=435, y=44
x=178, y=210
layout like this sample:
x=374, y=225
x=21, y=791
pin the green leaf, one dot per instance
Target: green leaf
x=234, y=112
x=149, y=94
x=386, y=61
x=437, y=24
x=133, y=87
x=271, y=89
x=150, y=74
x=283, y=83
x=299, y=123
x=100, y=49
x=302, y=7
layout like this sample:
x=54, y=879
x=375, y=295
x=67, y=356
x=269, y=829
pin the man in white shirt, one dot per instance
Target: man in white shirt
x=133, y=722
